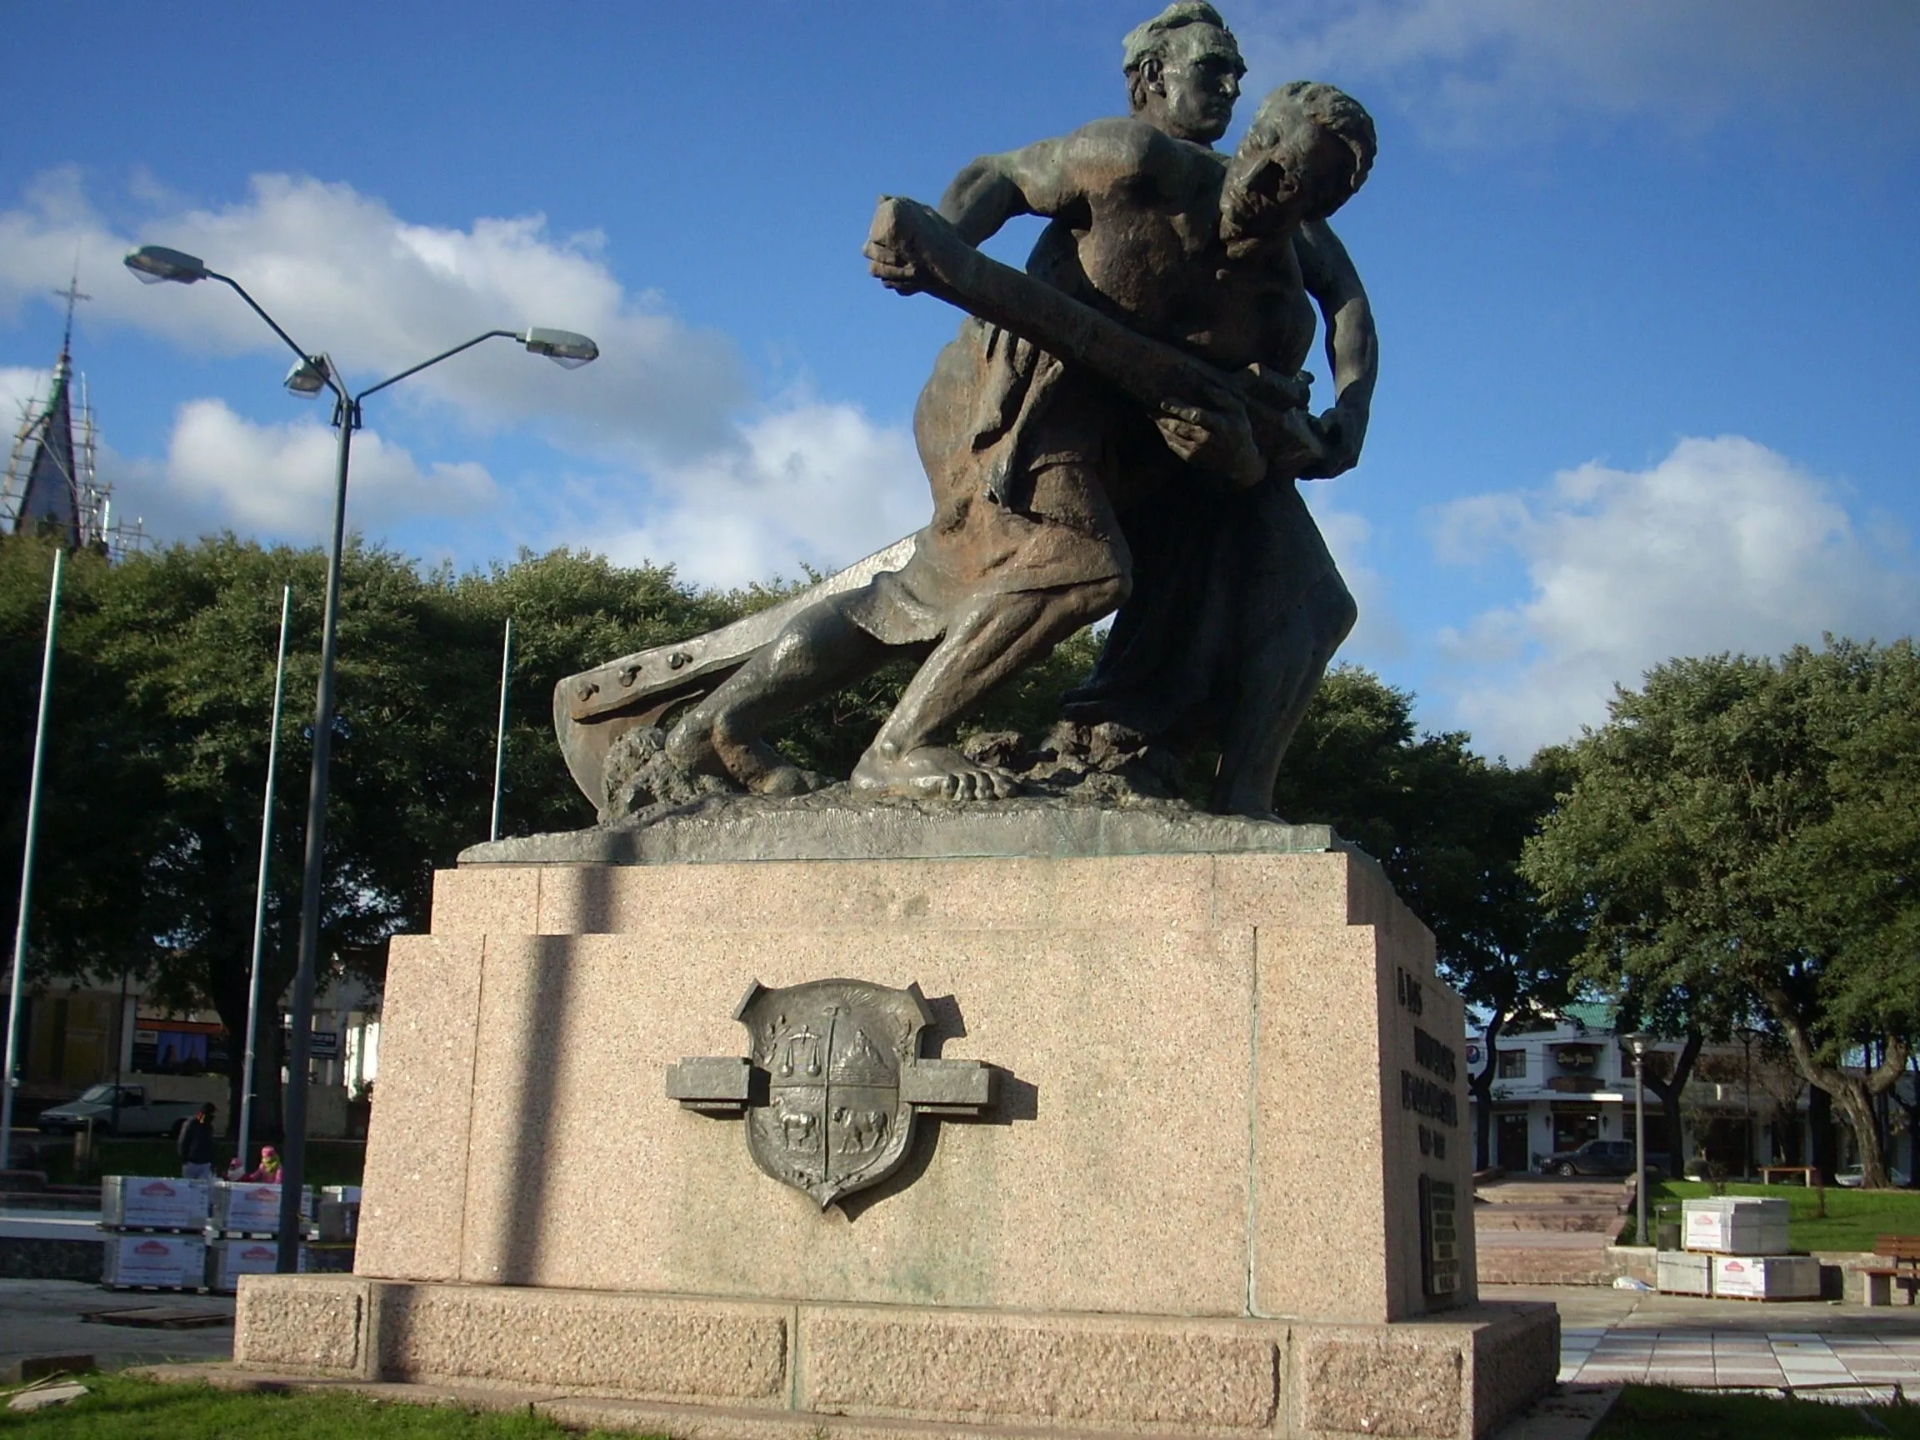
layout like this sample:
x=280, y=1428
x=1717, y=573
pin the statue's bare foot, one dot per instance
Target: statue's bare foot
x=690, y=745
x=934, y=772
x=700, y=745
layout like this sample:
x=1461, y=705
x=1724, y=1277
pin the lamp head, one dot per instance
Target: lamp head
x=1636, y=1041
x=308, y=377
x=151, y=264
x=563, y=347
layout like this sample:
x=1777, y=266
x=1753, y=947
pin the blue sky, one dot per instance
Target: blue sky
x=1644, y=275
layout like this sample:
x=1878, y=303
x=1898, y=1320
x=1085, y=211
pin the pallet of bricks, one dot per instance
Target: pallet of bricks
x=1736, y=1249
x=243, y=1234
x=154, y=1233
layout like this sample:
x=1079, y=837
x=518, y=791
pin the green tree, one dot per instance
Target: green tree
x=1447, y=826
x=95, y=783
x=158, y=751
x=1744, y=830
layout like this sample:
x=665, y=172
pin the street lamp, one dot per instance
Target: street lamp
x=1637, y=1043
x=314, y=372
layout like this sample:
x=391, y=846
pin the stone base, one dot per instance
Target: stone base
x=1223, y=1189
x=729, y=1370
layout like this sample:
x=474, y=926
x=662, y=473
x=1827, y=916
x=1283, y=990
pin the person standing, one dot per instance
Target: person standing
x=196, y=1145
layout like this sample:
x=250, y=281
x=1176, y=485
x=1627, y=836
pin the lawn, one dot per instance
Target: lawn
x=329, y=1162
x=1653, y=1412
x=1853, y=1219
x=124, y=1409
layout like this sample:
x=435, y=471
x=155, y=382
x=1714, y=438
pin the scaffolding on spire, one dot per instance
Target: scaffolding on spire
x=52, y=486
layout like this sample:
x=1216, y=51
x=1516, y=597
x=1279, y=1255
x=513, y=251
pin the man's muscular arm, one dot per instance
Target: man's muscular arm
x=993, y=189
x=1036, y=180
x=1352, y=345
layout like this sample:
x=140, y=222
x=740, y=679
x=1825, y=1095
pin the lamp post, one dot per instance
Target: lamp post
x=311, y=374
x=1637, y=1043
x=1748, y=1035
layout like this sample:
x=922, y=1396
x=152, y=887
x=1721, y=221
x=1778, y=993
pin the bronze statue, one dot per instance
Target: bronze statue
x=1126, y=412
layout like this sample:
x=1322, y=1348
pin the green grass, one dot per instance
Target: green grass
x=1854, y=1218
x=125, y=1409
x=329, y=1162
x=1653, y=1412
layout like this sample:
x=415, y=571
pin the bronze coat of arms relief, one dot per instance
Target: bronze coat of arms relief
x=832, y=1082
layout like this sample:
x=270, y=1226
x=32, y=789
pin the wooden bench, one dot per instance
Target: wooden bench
x=1809, y=1175
x=1902, y=1254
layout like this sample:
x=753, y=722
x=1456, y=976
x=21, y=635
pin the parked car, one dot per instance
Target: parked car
x=135, y=1114
x=1853, y=1177
x=1600, y=1157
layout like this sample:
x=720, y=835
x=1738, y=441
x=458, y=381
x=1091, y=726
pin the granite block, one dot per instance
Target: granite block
x=1361, y=1383
x=302, y=1322
x=645, y=1347
x=414, y=1189
x=1003, y=1370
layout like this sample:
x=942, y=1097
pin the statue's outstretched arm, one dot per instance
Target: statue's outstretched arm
x=1046, y=178
x=1353, y=347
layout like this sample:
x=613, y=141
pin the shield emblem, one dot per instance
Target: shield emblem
x=833, y=1052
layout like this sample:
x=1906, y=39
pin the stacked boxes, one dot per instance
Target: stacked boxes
x=1766, y=1277
x=167, y=1234
x=242, y=1229
x=153, y=1228
x=228, y=1260
x=1736, y=1247
x=338, y=1227
x=1681, y=1272
x=236, y=1207
x=1735, y=1225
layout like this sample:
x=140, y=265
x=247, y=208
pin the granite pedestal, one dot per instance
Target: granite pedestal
x=1224, y=1189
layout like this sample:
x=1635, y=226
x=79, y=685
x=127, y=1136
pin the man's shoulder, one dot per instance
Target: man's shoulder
x=1125, y=142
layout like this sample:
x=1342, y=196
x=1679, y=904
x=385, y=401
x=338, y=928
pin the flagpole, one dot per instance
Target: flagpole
x=260, y=885
x=9, y=1081
x=500, y=730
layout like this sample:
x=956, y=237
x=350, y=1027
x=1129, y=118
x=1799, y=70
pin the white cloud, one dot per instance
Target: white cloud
x=667, y=467
x=343, y=274
x=20, y=386
x=1470, y=71
x=812, y=482
x=1723, y=545
x=277, y=481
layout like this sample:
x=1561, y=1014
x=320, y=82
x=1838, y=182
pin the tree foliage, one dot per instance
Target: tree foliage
x=158, y=761
x=1743, y=833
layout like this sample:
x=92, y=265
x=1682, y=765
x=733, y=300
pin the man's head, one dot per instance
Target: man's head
x=1183, y=72
x=205, y=1112
x=1308, y=150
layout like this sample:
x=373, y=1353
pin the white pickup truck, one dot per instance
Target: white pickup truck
x=134, y=1115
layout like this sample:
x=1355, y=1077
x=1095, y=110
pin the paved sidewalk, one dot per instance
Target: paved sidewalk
x=1634, y=1337
x=42, y=1317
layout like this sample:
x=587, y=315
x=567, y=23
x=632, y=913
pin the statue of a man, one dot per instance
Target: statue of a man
x=1032, y=459
x=1236, y=607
